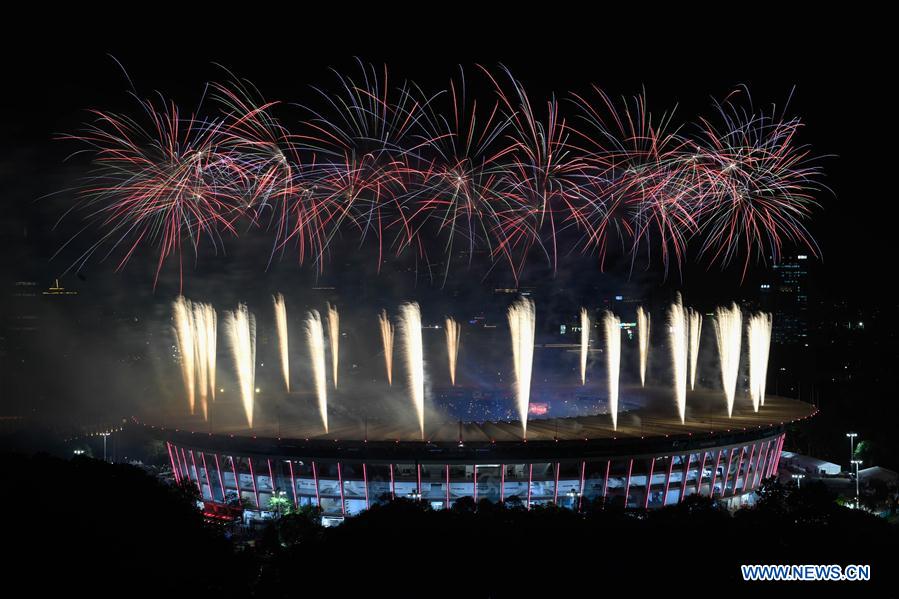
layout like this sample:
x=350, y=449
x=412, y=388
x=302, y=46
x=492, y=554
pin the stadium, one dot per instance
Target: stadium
x=651, y=460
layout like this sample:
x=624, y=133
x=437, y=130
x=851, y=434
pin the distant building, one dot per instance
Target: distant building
x=786, y=296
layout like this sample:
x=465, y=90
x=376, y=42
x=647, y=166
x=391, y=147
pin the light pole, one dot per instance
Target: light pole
x=857, y=464
x=798, y=478
x=104, y=435
x=852, y=437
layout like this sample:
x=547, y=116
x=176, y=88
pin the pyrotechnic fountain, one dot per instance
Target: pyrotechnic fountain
x=204, y=329
x=728, y=333
x=612, y=325
x=315, y=336
x=184, y=338
x=522, y=325
x=677, y=333
x=453, y=333
x=334, y=338
x=695, y=332
x=759, y=347
x=241, y=328
x=281, y=326
x=211, y=346
x=410, y=329
x=387, y=341
x=195, y=334
x=200, y=359
x=585, y=342
x=643, y=341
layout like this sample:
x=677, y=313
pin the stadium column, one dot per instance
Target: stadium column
x=780, y=447
x=683, y=483
x=530, y=478
x=730, y=457
x=764, y=469
x=218, y=470
x=340, y=483
x=392, y=484
x=758, y=462
x=196, y=473
x=318, y=497
x=556, y=487
x=652, y=467
x=627, y=487
x=186, y=470
x=206, y=474
x=421, y=493
x=293, y=483
x=772, y=457
x=236, y=479
x=605, y=482
x=365, y=483
x=715, y=474
x=737, y=473
x=777, y=453
x=701, y=472
x=580, y=496
x=175, y=471
x=253, y=479
x=748, y=469
x=668, y=480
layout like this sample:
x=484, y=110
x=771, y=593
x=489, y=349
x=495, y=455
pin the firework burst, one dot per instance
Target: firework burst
x=380, y=159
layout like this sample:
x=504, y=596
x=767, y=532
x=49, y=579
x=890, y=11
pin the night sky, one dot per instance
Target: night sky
x=839, y=71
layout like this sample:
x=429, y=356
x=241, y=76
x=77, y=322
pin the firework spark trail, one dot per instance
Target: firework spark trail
x=392, y=164
x=643, y=322
x=410, y=329
x=678, y=336
x=387, y=333
x=695, y=332
x=759, y=348
x=728, y=334
x=334, y=338
x=241, y=328
x=453, y=334
x=204, y=329
x=522, y=326
x=281, y=327
x=612, y=326
x=585, y=342
x=184, y=338
x=315, y=337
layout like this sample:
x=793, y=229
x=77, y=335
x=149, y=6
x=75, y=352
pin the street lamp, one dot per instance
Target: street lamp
x=857, y=464
x=798, y=478
x=852, y=437
x=104, y=435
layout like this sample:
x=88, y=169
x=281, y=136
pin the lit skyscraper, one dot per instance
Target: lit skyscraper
x=786, y=296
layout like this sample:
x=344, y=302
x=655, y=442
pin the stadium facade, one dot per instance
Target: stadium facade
x=344, y=477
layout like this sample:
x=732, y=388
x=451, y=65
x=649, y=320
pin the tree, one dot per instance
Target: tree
x=279, y=503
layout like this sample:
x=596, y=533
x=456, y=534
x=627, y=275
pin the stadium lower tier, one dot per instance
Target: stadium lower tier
x=344, y=486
